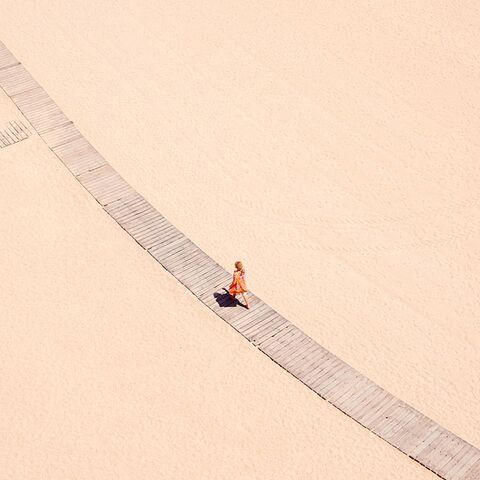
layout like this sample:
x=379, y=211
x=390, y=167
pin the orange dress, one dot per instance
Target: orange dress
x=238, y=284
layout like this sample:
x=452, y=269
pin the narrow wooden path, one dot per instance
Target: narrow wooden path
x=399, y=424
x=13, y=132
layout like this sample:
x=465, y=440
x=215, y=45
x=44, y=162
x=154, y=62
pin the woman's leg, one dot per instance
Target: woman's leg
x=245, y=300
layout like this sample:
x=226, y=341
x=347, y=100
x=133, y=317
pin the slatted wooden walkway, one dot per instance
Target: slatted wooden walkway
x=399, y=424
x=13, y=132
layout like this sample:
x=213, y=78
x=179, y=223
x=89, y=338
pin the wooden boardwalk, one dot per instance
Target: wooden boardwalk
x=14, y=131
x=399, y=424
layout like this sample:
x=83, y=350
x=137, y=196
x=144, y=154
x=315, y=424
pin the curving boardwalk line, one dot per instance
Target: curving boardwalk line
x=416, y=435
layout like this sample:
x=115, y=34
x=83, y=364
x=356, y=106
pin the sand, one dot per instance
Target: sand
x=332, y=148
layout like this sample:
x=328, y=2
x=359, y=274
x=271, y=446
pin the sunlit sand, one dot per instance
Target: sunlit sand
x=325, y=149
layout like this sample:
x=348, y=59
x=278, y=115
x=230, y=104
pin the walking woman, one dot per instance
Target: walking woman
x=238, y=284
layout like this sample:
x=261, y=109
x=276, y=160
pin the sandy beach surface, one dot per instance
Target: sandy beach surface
x=333, y=148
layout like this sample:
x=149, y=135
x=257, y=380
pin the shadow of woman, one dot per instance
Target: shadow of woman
x=226, y=300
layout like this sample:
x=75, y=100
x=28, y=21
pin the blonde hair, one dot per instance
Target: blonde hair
x=239, y=265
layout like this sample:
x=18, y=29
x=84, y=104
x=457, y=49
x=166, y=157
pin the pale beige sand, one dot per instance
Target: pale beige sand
x=333, y=149
x=111, y=369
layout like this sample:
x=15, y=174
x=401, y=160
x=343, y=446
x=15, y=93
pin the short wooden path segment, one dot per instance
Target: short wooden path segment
x=14, y=131
x=399, y=424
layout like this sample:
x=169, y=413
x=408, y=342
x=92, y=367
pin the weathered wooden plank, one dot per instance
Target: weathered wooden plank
x=294, y=340
x=322, y=384
x=16, y=79
x=309, y=355
x=11, y=139
x=251, y=318
x=301, y=355
x=198, y=273
x=4, y=140
x=112, y=194
x=159, y=228
x=164, y=250
x=129, y=212
x=430, y=450
x=277, y=337
x=76, y=153
x=20, y=126
x=165, y=238
x=427, y=437
x=198, y=284
x=281, y=341
x=13, y=134
x=217, y=279
x=217, y=296
x=286, y=346
x=290, y=352
x=464, y=465
x=169, y=239
x=409, y=436
x=150, y=235
x=473, y=472
x=18, y=134
x=444, y=464
x=40, y=110
x=385, y=410
x=347, y=389
x=456, y=458
x=53, y=121
x=150, y=228
x=167, y=251
x=137, y=218
x=69, y=145
x=380, y=412
x=276, y=327
x=448, y=451
x=235, y=313
x=254, y=320
x=119, y=207
x=152, y=240
x=382, y=401
x=391, y=423
x=355, y=404
x=182, y=247
x=256, y=310
x=217, y=283
x=445, y=451
x=141, y=225
x=332, y=374
x=184, y=258
x=310, y=364
x=183, y=271
x=62, y=135
x=105, y=184
x=407, y=433
x=264, y=319
x=316, y=374
x=189, y=260
x=267, y=319
x=340, y=383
